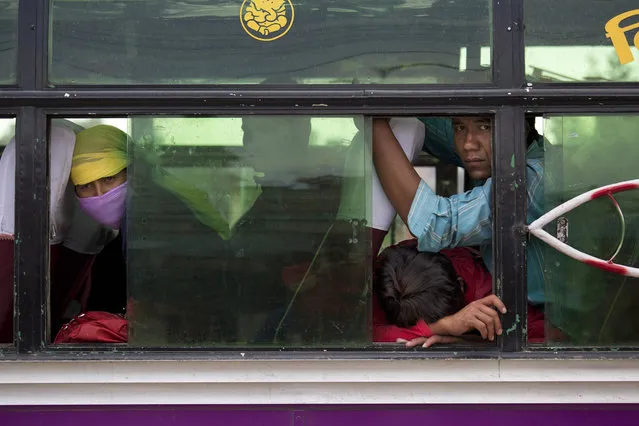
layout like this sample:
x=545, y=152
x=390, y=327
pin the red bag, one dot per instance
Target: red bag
x=94, y=327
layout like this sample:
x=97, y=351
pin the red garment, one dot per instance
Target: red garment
x=6, y=290
x=479, y=284
x=536, y=327
x=292, y=275
x=94, y=327
x=70, y=280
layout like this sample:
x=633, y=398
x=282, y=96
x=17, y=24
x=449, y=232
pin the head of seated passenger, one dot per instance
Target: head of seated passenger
x=412, y=285
x=98, y=172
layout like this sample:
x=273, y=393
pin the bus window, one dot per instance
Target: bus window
x=315, y=43
x=7, y=228
x=8, y=40
x=576, y=44
x=463, y=222
x=590, y=306
x=229, y=230
x=255, y=231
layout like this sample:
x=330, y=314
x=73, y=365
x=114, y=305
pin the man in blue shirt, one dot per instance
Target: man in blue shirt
x=462, y=219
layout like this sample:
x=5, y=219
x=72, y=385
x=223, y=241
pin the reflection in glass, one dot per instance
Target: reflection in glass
x=188, y=42
x=7, y=230
x=8, y=41
x=566, y=42
x=234, y=237
x=592, y=307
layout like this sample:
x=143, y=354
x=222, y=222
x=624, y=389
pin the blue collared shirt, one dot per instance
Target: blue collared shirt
x=465, y=219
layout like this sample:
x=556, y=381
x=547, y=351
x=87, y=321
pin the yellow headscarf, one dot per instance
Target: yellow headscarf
x=100, y=151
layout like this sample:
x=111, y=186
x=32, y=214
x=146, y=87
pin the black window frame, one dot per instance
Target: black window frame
x=508, y=98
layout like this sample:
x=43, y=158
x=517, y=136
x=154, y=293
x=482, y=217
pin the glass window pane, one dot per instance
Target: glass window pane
x=8, y=40
x=86, y=265
x=273, y=41
x=7, y=229
x=567, y=42
x=590, y=306
x=231, y=229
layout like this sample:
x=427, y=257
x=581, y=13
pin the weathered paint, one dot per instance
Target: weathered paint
x=514, y=326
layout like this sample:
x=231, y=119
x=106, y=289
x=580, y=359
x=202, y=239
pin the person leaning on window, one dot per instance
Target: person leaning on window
x=75, y=239
x=172, y=210
x=98, y=173
x=461, y=219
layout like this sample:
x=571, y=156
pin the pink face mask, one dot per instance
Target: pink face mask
x=108, y=208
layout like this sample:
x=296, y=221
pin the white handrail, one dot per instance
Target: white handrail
x=536, y=228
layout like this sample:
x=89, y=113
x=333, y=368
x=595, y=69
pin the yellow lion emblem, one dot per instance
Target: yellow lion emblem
x=266, y=20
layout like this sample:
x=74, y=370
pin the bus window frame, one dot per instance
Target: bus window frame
x=508, y=98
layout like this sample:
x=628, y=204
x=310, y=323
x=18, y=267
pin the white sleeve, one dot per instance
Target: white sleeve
x=62, y=142
x=410, y=133
x=7, y=189
x=61, y=153
x=68, y=223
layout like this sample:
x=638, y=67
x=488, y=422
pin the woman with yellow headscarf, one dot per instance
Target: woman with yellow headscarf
x=75, y=239
x=101, y=159
x=98, y=172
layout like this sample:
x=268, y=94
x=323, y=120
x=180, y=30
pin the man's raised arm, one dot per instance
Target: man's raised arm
x=396, y=173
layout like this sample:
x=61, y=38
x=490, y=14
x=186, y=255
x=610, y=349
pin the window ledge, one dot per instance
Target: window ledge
x=425, y=381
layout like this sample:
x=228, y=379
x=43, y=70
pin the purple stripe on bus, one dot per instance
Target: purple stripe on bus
x=586, y=415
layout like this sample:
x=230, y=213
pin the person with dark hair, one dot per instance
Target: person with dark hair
x=461, y=220
x=449, y=295
x=428, y=298
x=411, y=286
